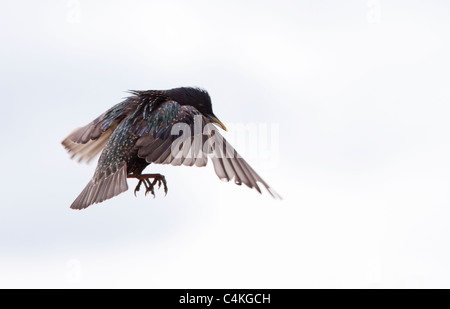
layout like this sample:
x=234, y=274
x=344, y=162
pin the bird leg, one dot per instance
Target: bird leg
x=149, y=186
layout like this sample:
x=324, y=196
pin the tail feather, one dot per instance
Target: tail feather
x=99, y=190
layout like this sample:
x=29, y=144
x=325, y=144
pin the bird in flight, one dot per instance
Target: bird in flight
x=175, y=126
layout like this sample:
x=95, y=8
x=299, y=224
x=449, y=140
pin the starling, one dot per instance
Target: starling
x=155, y=126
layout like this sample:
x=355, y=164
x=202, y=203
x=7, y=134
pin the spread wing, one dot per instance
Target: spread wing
x=228, y=164
x=86, y=142
x=179, y=135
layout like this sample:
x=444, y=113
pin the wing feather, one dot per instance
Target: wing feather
x=159, y=147
x=86, y=142
x=103, y=188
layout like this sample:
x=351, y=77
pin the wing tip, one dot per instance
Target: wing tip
x=274, y=194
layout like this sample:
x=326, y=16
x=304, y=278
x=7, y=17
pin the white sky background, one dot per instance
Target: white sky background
x=361, y=98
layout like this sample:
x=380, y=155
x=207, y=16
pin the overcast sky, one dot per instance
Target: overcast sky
x=356, y=93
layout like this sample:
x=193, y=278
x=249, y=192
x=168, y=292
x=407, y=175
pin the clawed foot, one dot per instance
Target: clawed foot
x=150, y=185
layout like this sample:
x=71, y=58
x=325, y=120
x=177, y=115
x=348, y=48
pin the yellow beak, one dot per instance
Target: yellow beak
x=218, y=122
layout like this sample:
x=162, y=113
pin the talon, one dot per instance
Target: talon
x=152, y=191
x=138, y=187
x=165, y=185
x=146, y=186
x=150, y=185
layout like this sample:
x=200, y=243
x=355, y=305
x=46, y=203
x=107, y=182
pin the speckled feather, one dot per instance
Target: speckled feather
x=137, y=132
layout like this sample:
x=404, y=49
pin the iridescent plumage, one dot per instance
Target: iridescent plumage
x=144, y=129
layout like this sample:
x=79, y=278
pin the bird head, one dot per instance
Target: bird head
x=200, y=99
